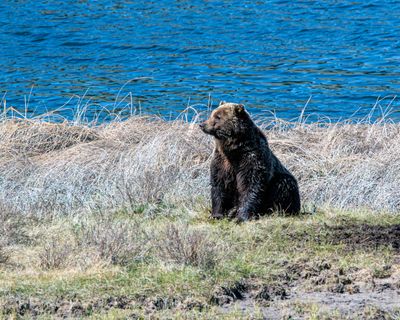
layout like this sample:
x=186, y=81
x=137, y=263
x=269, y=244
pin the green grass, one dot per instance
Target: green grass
x=312, y=253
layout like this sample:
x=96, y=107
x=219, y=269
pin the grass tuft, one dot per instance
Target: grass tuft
x=56, y=253
x=113, y=241
x=184, y=245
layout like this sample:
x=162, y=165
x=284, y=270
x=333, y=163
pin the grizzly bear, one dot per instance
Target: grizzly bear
x=247, y=179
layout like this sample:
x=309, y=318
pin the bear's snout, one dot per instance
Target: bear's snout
x=205, y=127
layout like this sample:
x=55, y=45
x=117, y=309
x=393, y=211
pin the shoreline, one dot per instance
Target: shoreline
x=112, y=221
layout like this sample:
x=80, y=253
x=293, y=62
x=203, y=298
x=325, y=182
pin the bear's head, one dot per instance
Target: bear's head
x=227, y=121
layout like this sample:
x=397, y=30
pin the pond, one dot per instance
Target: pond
x=332, y=58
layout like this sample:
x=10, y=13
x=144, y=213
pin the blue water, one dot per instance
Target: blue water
x=161, y=56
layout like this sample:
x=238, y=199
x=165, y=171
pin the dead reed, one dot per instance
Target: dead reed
x=70, y=168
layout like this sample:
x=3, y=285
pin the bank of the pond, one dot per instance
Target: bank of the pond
x=49, y=169
x=327, y=265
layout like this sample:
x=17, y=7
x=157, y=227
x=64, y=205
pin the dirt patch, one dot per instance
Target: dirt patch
x=161, y=303
x=74, y=308
x=347, y=306
x=272, y=292
x=297, y=303
x=353, y=235
x=62, y=307
x=320, y=276
x=227, y=294
x=364, y=236
x=350, y=304
x=304, y=287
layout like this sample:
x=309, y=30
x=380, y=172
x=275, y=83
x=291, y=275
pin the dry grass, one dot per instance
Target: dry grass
x=4, y=254
x=344, y=165
x=56, y=253
x=66, y=168
x=184, y=245
x=113, y=241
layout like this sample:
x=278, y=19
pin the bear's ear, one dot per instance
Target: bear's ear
x=239, y=109
x=221, y=103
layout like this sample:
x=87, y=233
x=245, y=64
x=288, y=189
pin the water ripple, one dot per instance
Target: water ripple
x=271, y=55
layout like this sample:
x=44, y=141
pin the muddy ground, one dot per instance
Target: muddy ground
x=356, y=294
x=303, y=289
x=293, y=295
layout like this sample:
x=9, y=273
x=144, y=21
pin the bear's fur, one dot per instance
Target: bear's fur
x=247, y=179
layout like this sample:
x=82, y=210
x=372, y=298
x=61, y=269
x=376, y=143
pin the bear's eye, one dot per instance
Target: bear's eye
x=218, y=116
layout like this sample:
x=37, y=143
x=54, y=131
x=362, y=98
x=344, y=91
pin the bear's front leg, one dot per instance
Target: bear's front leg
x=222, y=187
x=218, y=210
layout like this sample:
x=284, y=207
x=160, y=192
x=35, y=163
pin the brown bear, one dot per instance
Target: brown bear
x=247, y=179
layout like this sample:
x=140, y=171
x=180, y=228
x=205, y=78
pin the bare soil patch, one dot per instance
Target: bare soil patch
x=353, y=294
x=364, y=236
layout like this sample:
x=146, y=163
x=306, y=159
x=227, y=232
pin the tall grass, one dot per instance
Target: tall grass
x=73, y=167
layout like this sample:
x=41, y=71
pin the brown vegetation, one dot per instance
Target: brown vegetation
x=64, y=168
